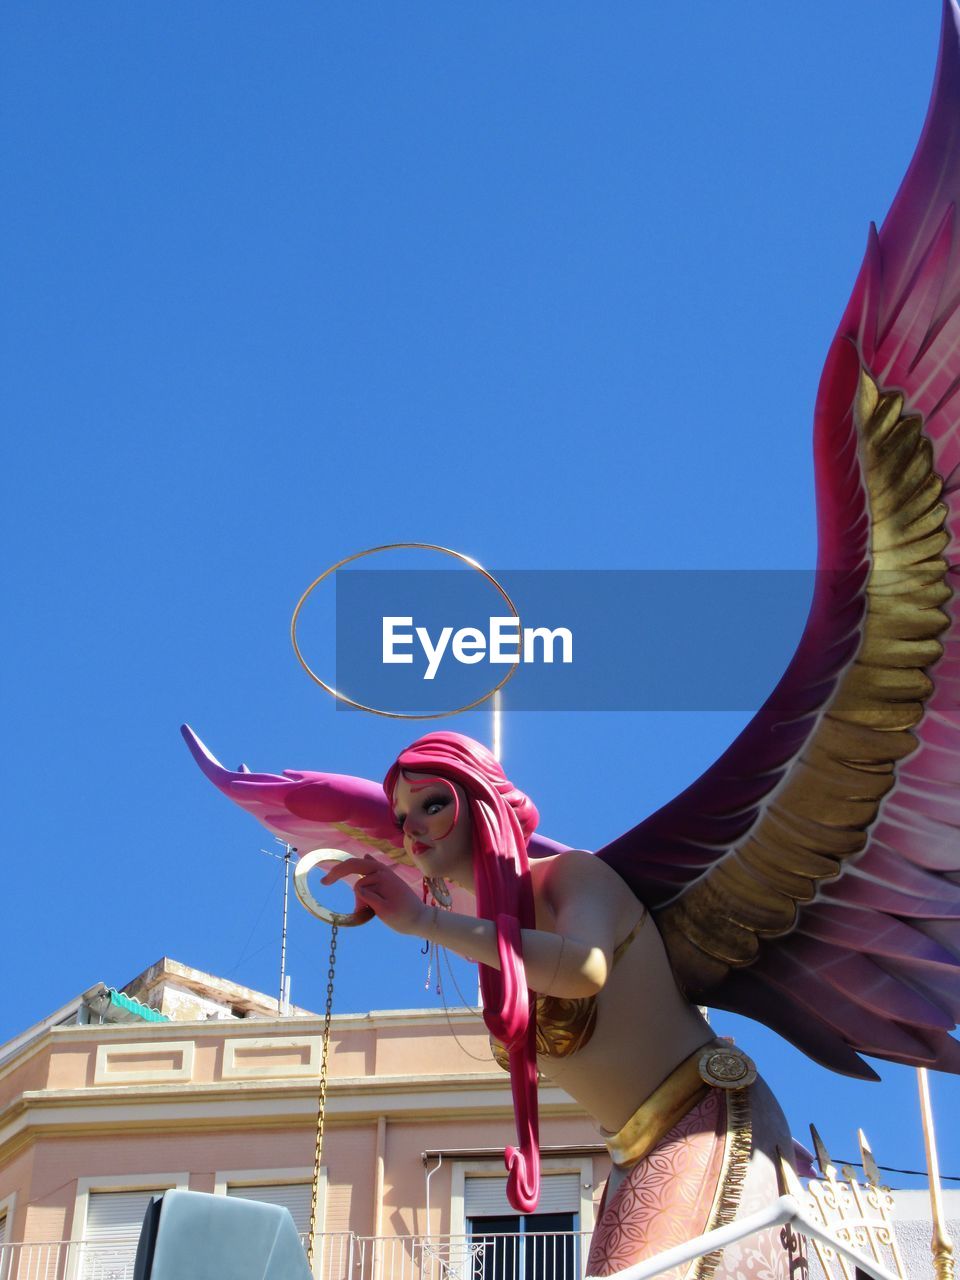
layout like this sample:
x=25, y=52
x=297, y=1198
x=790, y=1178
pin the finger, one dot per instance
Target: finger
x=352, y=867
x=362, y=910
x=366, y=891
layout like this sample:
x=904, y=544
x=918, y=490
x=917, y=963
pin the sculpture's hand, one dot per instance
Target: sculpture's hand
x=383, y=892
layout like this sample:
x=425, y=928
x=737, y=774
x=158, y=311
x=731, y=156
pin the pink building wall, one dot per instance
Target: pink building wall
x=103, y=1107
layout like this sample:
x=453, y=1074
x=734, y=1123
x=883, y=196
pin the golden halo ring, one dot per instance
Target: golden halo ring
x=305, y=865
x=377, y=711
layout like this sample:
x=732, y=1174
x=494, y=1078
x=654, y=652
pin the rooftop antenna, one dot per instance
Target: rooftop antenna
x=283, y=999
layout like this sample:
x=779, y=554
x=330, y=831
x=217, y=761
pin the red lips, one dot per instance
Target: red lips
x=420, y=847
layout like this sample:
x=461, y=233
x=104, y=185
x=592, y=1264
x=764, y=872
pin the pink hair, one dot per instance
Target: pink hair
x=503, y=820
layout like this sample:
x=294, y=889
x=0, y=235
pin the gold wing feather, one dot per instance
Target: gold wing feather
x=822, y=809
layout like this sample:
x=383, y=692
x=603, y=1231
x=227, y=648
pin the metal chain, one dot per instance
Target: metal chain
x=322, y=1105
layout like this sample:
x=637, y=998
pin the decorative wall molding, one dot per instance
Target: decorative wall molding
x=273, y=1057
x=159, y=1062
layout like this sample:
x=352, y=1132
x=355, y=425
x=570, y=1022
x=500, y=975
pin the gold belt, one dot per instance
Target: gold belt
x=719, y=1065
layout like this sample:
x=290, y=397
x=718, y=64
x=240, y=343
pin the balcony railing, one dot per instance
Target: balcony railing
x=553, y=1255
x=337, y=1256
x=519, y=1256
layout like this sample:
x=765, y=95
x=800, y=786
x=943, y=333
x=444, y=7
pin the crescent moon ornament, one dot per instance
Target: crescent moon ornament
x=315, y=858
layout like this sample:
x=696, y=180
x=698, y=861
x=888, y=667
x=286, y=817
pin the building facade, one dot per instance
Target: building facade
x=185, y=1080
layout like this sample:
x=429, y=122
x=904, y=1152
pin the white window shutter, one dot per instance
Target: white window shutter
x=486, y=1197
x=117, y=1215
x=294, y=1196
x=114, y=1219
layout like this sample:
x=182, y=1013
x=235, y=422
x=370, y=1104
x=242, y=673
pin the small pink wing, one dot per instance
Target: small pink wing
x=324, y=811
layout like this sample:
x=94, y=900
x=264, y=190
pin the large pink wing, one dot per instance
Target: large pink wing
x=811, y=877
x=321, y=810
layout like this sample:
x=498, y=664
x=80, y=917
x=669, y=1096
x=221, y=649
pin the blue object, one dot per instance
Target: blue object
x=189, y=1235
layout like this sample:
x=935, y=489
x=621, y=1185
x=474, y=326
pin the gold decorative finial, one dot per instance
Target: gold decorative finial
x=870, y=1170
x=940, y=1245
x=827, y=1167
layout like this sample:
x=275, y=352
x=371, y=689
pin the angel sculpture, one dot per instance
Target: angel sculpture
x=809, y=879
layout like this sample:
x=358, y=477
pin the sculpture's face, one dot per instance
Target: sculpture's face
x=438, y=844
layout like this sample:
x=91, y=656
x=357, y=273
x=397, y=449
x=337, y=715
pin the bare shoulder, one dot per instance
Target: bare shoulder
x=571, y=872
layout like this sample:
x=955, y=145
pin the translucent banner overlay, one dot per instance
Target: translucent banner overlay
x=424, y=642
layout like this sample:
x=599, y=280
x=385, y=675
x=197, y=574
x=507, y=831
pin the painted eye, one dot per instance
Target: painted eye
x=434, y=806
x=399, y=820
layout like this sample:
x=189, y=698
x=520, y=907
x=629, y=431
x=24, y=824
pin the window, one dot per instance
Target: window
x=507, y=1245
x=294, y=1196
x=107, y=1217
x=113, y=1226
x=292, y=1188
x=7, y=1206
x=529, y=1246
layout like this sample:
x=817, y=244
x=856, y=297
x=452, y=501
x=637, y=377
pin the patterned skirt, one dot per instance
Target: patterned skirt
x=716, y=1163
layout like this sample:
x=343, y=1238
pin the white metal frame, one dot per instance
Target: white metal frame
x=369, y=1256
x=785, y=1211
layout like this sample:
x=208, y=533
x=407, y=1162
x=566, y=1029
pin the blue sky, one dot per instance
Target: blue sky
x=547, y=283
